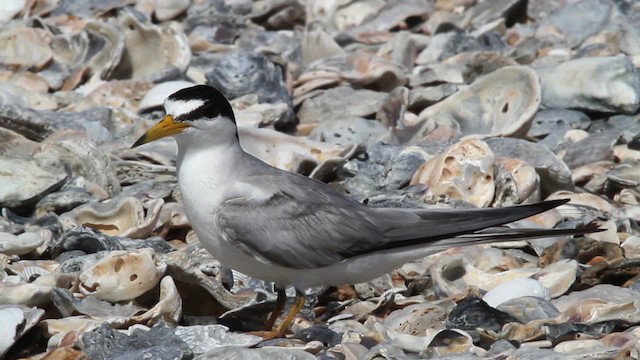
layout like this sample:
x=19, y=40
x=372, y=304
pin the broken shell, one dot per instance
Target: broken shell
x=169, y=9
x=19, y=244
x=151, y=52
x=16, y=321
x=25, y=48
x=604, y=84
x=23, y=182
x=558, y=277
x=410, y=327
x=516, y=182
x=514, y=289
x=24, y=294
x=292, y=153
x=529, y=308
x=340, y=102
x=553, y=172
x=122, y=275
x=450, y=342
x=168, y=308
x=501, y=103
x=122, y=216
x=7, y=11
x=98, y=48
x=463, y=172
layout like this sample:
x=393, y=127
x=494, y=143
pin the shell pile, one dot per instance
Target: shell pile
x=414, y=103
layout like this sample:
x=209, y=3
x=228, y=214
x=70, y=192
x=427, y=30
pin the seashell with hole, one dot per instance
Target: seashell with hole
x=463, y=172
x=501, y=103
x=122, y=275
x=453, y=274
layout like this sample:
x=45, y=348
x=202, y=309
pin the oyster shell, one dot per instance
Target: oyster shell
x=463, y=172
x=122, y=275
x=501, y=103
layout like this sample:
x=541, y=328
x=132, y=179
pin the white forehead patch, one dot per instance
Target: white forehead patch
x=176, y=108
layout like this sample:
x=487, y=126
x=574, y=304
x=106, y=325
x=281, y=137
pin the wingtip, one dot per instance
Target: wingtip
x=555, y=203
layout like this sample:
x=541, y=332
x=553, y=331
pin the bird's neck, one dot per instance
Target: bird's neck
x=217, y=158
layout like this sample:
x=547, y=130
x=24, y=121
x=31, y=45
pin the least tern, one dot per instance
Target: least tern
x=292, y=230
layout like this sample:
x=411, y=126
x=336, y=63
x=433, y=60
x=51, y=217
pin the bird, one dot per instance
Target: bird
x=292, y=230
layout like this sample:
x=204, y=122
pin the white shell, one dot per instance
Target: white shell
x=168, y=9
x=122, y=275
x=514, y=289
x=10, y=319
x=21, y=244
x=464, y=171
x=121, y=216
x=9, y=9
x=501, y=103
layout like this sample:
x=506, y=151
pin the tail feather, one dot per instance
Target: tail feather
x=460, y=227
x=498, y=235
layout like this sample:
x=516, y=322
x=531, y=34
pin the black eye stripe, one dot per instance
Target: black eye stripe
x=208, y=110
x=215, y=103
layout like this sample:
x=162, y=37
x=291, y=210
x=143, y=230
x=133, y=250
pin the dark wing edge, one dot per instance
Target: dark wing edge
x=461, y=227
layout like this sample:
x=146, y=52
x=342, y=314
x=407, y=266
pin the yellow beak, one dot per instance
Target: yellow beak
x=166, y=127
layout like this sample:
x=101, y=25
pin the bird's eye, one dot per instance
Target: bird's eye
x=211, y=111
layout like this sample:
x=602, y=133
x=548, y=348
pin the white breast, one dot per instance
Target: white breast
x=204, y=186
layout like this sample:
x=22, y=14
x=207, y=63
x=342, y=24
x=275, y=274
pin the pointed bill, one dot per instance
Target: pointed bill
x=166, y=127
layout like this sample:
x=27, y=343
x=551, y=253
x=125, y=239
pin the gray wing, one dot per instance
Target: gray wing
x=302, y=223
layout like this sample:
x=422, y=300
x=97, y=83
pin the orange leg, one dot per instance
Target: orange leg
x=280, y=303
x=281, y=330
